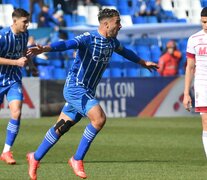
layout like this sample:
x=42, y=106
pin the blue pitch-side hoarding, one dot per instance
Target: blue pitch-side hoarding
x=121, y=97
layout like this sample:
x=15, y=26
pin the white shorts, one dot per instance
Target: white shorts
x=200, y=91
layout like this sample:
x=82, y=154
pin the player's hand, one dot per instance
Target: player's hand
x=21, y=62
x=187, y=102
x=149, y=65
x=33, y=51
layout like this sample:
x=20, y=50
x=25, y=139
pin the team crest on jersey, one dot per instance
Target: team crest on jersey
x=106, y=51
x=18, y=47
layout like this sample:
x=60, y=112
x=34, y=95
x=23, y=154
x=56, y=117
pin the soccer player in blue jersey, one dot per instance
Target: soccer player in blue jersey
x=94, y=50
x=13, y=47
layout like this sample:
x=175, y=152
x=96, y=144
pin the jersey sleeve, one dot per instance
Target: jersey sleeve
x=126, y=53
x=190, y=51
x=83, y=40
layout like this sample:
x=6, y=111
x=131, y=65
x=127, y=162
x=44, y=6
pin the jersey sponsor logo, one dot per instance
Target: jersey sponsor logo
x=16, y=55
x=202, y=51
x=101, y=59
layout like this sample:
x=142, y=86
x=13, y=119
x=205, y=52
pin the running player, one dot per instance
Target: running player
x=93, y=54
x=197, y=67
x=13, y=46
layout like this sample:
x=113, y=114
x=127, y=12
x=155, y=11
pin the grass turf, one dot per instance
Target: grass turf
x=126, y=149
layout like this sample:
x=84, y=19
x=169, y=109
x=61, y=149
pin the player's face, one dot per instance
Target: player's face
x=204, y=23
x=21, y=24
x=114, y=25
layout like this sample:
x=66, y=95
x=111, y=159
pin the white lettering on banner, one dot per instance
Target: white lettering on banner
x=104, y=90
x=115, y=108
x=118, y=90
x=124, y=89
x=113, y=97
x=109, y=92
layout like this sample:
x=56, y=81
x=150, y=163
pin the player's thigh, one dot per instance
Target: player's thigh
x=79, y=100
x=97, y=116
x=70, y=113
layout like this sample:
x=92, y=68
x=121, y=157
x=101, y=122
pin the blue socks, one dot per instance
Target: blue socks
x=49, y=140
x=12, y=131
x=88, y=136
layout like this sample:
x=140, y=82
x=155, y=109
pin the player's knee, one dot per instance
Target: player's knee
x=63, y=126
x=16, y=114
x=99, y=122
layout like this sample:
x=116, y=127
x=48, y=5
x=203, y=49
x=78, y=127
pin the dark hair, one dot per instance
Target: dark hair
x=204, y=12
x=20, y=13
x=107, y=13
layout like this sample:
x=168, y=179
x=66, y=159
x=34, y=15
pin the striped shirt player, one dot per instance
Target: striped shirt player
x=13, y=46
x=93, y=55
x=94, y=50
x=197, y=68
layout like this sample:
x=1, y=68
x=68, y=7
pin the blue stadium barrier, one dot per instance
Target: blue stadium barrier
x=56, y=62
x=45, y=72
x=155, y=53
x=59, y=73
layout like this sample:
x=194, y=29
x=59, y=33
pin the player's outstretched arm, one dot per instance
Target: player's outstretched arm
x=53, y=47
x=130, y=55
x=148, y=65
x=38, y=49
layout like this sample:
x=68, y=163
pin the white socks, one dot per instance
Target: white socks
x=204, y=139
x=6, y=148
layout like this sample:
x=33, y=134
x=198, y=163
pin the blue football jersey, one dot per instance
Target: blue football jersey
x=92, y=57
x=12, y=46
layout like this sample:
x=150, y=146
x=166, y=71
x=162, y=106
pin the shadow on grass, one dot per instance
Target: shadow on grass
x=200, y=162
x=116, y=161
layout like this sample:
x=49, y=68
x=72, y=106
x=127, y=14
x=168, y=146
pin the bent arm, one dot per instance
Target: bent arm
x=190, y=69
x=5, y=61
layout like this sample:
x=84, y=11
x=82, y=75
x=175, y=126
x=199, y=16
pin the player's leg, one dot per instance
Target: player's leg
x=64, y=123
x=204, y=133
x=97, y=118
x=14, y=97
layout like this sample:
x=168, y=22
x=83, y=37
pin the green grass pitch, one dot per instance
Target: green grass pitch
x=126, y=149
